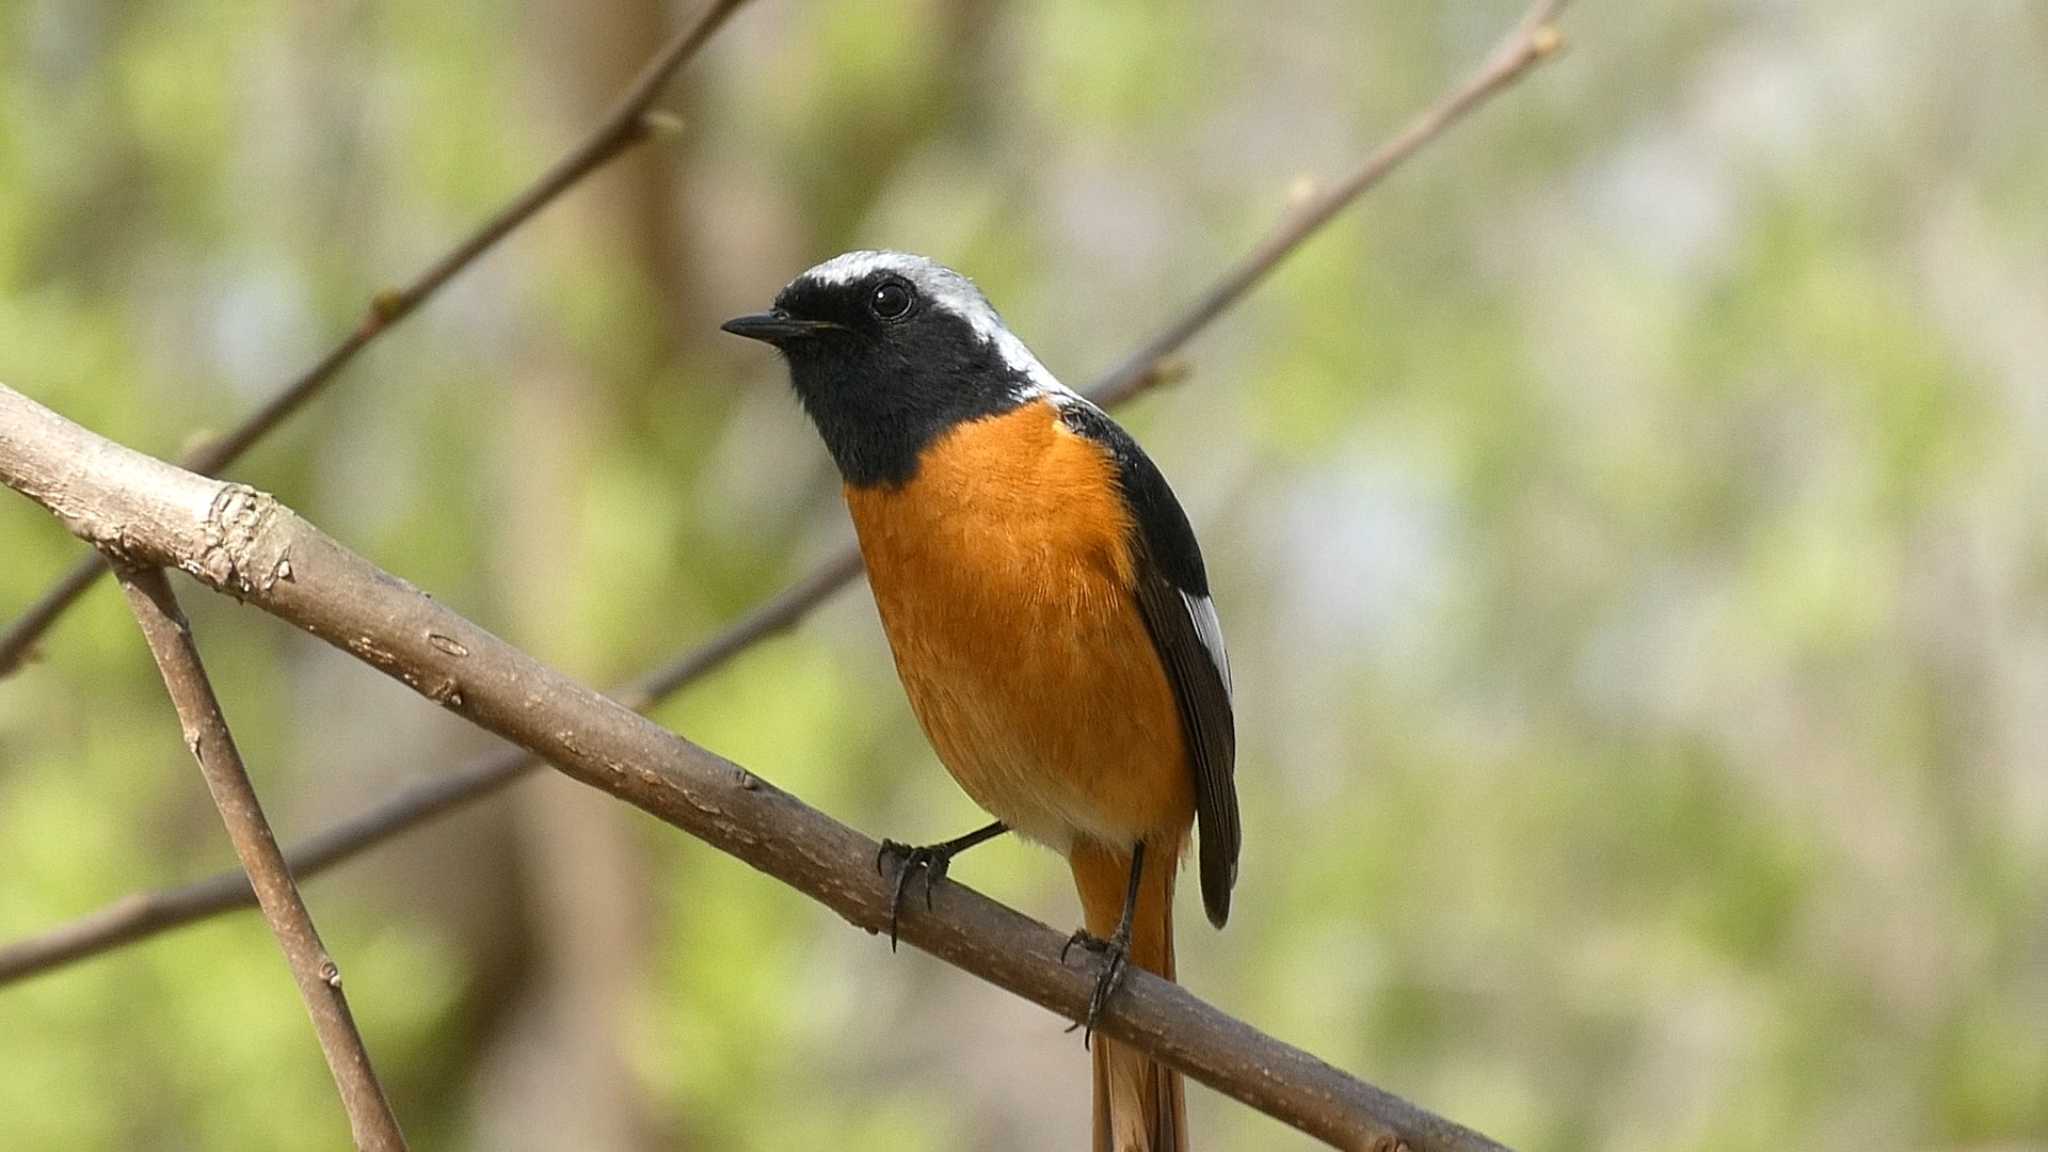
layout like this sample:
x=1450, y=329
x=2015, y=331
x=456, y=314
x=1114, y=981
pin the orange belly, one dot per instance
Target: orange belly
x=1002, y=573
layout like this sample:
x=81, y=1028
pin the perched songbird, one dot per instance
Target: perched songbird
x=1045, y=600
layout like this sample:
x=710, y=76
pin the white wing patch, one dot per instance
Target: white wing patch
x=949, y=290
x=1209, y=630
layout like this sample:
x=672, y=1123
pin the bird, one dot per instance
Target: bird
x=1047, y=607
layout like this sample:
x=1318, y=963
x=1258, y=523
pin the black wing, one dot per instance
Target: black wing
x=1173, y=595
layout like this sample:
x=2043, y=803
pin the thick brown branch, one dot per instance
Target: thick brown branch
x=622, y=127
x=244, y=543
x=145, y=914
x=206, y=734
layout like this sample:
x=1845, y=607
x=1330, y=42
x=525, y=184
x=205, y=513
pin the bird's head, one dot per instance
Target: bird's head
x=888, y=351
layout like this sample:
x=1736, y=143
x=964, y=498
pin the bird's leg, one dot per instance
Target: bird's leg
x=1116, y=951
x=930, y=861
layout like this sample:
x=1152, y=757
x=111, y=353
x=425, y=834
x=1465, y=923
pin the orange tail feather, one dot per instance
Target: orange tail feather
x=1139, y=1105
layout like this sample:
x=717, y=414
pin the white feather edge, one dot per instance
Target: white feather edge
x=1209, y=630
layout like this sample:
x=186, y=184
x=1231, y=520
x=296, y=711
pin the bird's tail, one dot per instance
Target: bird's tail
x=1139, y=1105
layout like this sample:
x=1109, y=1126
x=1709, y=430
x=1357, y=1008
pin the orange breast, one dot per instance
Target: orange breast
x=1002, y=573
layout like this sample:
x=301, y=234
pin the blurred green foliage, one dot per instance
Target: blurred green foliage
x=1628, y=525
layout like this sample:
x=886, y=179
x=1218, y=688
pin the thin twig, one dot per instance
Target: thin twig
x=144, y=914
x=206, y=734
x=244, y=543
x=624, y=126
x=1534, y=40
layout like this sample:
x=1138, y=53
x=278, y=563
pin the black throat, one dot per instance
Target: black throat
x=880, y=398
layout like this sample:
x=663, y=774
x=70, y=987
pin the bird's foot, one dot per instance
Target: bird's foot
x=930, y=861
x=1116, y=957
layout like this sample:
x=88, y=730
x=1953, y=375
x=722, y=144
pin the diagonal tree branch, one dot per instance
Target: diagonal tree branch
x=624, y=126
x=246, y=544
x=144, y=914
x=213, y=745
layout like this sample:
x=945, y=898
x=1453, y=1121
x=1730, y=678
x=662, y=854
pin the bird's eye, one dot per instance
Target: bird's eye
x=891, y=300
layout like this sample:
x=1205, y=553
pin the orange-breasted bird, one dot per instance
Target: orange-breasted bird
x=1046, y=603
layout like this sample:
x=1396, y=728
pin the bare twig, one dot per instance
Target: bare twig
x=144, y=914
x=206, y=734
x=244, y=543
x=625, y=125
x=1534, y=40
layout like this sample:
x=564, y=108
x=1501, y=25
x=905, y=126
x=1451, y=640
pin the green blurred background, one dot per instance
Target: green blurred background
x=1628, y=526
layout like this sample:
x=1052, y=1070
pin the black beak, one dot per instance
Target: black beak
x=776, y=327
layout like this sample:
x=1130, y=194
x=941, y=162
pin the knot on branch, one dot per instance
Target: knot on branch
x=241, y=554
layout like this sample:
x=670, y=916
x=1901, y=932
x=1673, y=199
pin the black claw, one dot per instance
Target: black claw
x=931, y=861
x=1081, y=937
x=1116, y=951
x=1116, y=958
